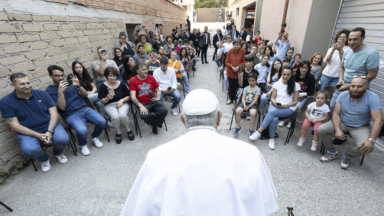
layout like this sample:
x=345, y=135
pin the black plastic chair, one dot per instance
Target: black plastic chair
x=1, y=203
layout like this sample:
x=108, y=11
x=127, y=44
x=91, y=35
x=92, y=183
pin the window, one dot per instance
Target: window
x=237, y=11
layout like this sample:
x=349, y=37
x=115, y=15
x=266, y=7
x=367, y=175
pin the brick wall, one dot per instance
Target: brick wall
x=30, y=43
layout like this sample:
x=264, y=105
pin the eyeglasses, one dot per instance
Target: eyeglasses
x=58, y=76
x=362, y=76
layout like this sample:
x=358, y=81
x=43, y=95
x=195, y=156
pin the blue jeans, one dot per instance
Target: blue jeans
x=194, y=63
x=272, y=118
x=94, y=98
x=301, y=103
x=185, y=78
x=176, y=97
x=326, y=80
x=78, y=121
x=218, y=61
x=31, y=145
x=264, y=100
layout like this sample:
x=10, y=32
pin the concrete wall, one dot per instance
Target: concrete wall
x=239, y=19
x=52, y=33
x=209, y=14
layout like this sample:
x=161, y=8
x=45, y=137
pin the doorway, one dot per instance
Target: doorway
x=130, y=28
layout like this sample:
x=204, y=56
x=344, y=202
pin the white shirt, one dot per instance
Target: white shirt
x=202, y=173
x=263, y=70
x=220, y=51
x=282, y=94
x=333, y=66
x=165, y=80
x=224, y=32
x=317, y=112
x=275, y=78
x=227, y=47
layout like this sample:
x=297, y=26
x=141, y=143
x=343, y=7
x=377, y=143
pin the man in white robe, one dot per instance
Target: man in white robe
x=202, y=173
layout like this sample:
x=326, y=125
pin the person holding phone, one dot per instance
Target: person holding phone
x=150, y=107
x=68, y=96
x=285, y=96
x=115, y=95
x=99, y=65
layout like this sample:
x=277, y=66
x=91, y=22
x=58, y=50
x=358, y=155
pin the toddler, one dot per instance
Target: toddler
x=296, y=63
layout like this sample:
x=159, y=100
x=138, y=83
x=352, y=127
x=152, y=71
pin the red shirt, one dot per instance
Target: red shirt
x=257, y=40
x=233, y=60
x=142, y=87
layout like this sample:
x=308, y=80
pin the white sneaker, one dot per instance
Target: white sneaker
x=110, y=124
x=281, y=123
x=289, y=124
x=314, y=146
x=45, y=166
x=256, y=135
x=174, y=112
x=301, y=141
x=61, y=158
x=97, y=142
x=84, y=150
x=272, y=144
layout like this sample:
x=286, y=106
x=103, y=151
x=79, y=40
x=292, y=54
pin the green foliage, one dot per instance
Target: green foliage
x=20, y=164
x=210, y=3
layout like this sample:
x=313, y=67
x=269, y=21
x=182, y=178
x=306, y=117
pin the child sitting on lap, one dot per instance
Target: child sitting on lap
x=316, y=113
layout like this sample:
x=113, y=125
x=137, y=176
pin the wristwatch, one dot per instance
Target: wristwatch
x=372, y=140
x=50, y=131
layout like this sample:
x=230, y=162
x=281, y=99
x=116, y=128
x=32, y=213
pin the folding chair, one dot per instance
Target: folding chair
x=330, y=90
x=1, y=203
x=257, y=113
x=169, y=96
x=292, y=128
x=135, y=113
x=106, y=128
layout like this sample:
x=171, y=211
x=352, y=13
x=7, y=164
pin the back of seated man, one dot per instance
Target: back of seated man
x=69, y=99
x=99, y=65
x=32, y=114
x=143, y=88
x=352, y=114
x=166, y=77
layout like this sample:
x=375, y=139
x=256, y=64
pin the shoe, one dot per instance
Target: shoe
x=338, y=142
x=251, y=132
x=314, y=146
x=237, y=130
x=248, y=118
x=85, y=150
x=154, y=130
x=61, y=158
x=110, y=124
x=187, y=91
x=281, y=123
x=202, y=62
x=45, y=166
x=329, y=157
x=301, y=141
x=97, y=142
x=118, y=138
x=229, y=102
x=271, y=144
x=206, y=62
x=174, y=112
x=131, y=136
x=344, y=162
x=289, y=124
x=255, y=135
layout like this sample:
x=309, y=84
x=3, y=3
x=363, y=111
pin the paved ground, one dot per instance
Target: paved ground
x=99, y=184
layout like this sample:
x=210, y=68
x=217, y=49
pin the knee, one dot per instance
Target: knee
x=31, y=150
x=320, y=130
x=102, y=121
x=82, y=131
x=61, y=139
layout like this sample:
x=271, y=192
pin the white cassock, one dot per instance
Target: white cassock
x=203, y=173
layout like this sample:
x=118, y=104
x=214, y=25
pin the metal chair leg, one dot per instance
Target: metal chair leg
x=362, y=159
x=73, y=146
x=1, y=203
x=34, y=166
x=166, y=129
x=230, y=126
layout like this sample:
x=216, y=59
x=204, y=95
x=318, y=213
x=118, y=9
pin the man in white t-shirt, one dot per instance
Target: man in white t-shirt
x=220, y=51
x=224, y=31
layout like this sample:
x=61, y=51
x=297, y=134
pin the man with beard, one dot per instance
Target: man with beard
x=161, y=52
x=353, y=112
x=140, y=56
x=205, y=41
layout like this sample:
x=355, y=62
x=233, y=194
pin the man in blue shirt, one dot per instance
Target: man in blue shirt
x=32, y=114
x=140, y=56
x=352, y=114
x=70, y=102
x=282, y=42
x=361, y=59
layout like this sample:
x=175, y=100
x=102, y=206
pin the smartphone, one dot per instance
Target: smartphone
x=111, y=91
x=140, y=27
x=339, y=41
x=69, y=82
x=103, y=52
x=278, y=104
x=150, y=94
x=169, y=88
x=338, y=86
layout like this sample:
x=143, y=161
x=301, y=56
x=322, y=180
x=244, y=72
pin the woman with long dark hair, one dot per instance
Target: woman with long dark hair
x=169, y=45
x=86, y=82
x=285, y=96
x=129, y=68
x=273, y=76
x=119, y=61
x=272, y=56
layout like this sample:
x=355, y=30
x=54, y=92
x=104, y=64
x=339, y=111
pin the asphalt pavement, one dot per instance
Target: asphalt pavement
x=99, y=184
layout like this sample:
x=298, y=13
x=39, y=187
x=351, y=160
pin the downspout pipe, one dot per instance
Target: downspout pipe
x=284, y=15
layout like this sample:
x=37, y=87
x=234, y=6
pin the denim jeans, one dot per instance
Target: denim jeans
x=194, y=63
x=301, y=103
x=272, y=118
x=326, y=80
x=264, y=100
x=78, y=121
x=185, y=78
x=31, y=145
x=218, y=61
x=176, y=97
x=94, y=98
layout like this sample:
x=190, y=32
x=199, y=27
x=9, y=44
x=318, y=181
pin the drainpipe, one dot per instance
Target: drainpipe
x=285, y=14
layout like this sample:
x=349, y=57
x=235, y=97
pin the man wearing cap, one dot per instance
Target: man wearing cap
x=198, y=173
x=140, y=56
x=126, y=46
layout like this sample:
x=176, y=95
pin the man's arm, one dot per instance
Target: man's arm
x=372, y=73
x=336, y=121
x=134, y=33
x=83, y=93
x=54, y=118
x=101, y=69
x=61, y=104
x=15, y=126
x=134, y=99
x=377, y=117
